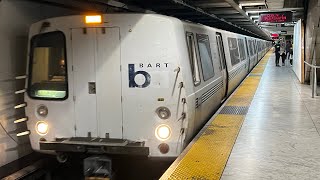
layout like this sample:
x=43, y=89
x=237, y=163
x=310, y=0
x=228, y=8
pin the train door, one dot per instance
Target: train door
x=248, y=55
x=223, y=63
x=108, y=78
x=97, y=82
x=255, y=51
x=195, y=72
x=83, y=53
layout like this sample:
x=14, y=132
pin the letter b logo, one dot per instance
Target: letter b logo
x=133, y=74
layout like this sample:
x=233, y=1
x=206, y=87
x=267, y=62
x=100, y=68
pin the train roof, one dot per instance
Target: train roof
x=184, y=22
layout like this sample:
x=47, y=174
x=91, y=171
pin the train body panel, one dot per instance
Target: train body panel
x=237, y=62
x=206, y=89
x=133, y=77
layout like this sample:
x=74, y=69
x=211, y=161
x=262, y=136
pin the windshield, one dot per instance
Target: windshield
x=48, y=72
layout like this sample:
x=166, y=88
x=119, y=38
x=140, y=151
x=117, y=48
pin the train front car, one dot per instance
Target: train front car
x=107, y=84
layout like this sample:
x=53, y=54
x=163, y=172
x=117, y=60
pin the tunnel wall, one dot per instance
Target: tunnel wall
x=15, y=18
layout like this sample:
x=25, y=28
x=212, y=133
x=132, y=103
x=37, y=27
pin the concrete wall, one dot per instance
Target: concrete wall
x=312, y=22
x=15, y=18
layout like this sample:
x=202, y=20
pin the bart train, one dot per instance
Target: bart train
x=140, y=84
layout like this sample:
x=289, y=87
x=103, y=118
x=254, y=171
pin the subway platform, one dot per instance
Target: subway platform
x=271, y=133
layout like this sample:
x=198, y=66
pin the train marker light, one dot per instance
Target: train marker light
x=163, y=132
x=96, y=19
x=42, y=128
x=163, y=112
x=42, y=111
x=164, y=148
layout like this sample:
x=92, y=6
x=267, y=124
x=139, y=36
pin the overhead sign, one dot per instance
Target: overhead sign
x=276, y=17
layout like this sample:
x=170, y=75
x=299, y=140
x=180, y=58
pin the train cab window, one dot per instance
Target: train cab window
x=234, y=51
x=193, y=59
x=205, y=56
x=242, y=50
x=47, y=68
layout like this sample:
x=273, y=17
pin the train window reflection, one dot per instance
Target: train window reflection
x=242, y=51
x=251, y=47
x=234, y=51
x=48, y=67
x=205, y=56
x=259, y=46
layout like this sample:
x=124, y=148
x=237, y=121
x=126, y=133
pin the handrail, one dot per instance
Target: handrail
x=314, y=82
x=311, y=65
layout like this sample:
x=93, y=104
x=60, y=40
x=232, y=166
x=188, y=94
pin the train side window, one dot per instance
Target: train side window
x=221, y=50
x=256, y=46
x=241, y=48
x=234, y=51
x=47, y=68
x=259, y=46
x=193, y=59
x=251, y=47
x=205, y=56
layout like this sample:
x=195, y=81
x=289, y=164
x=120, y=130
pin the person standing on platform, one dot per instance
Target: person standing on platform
x=283, y=57
x=291, y=55
x=277, y=53
x=288, y=49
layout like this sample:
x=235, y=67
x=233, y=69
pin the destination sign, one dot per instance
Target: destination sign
x=276, y=17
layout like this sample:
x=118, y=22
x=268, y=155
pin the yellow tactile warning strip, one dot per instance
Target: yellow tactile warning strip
x=208, y=155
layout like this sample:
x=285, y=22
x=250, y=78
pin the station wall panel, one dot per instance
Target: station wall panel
x=298, y=49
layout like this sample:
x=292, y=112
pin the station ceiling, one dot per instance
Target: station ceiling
x=240, y=16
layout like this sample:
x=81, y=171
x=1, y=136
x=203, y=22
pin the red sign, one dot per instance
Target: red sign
x=276, y=17
x=274, y=36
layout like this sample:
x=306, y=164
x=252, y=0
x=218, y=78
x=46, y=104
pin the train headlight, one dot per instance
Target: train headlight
x=163, y=132
x=163, y=112
x=42, y=111
x=42, y=128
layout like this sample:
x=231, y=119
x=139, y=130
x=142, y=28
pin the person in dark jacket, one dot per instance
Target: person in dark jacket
x=283, y=57
x=291, y=55
x=277, y=52
x=288, y=48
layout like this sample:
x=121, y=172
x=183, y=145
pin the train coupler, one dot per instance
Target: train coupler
x=97, y=167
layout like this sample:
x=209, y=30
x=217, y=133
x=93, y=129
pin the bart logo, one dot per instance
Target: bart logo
x=133, y=74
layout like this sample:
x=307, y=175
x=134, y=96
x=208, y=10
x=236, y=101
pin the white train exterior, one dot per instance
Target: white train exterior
x=140, y=84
